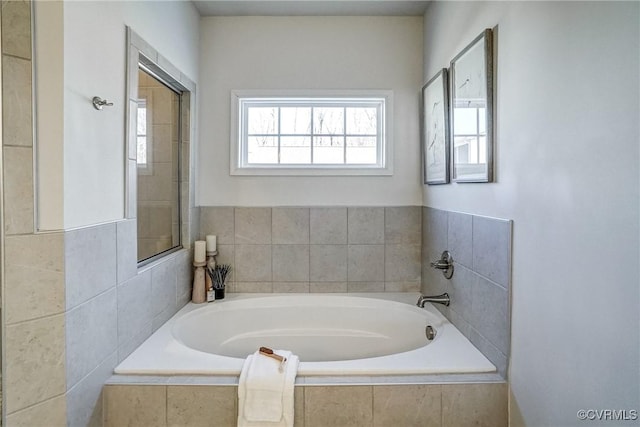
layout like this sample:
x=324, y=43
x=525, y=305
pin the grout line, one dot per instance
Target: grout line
x=11, y=55
x=48, y=316
x=95, y=368
x=26, y=408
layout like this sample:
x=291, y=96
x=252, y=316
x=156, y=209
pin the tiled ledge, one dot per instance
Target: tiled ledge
x=232, y=380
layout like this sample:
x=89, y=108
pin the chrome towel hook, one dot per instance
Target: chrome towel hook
x=98, y=103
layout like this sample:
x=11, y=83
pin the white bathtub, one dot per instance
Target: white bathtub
x=347, y=334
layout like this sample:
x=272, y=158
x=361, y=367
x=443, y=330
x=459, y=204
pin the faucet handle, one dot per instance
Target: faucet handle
x=445, y=263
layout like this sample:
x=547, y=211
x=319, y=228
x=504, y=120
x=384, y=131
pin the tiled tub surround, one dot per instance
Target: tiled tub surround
x=480, y=287
x=197, y=403
x=318, y=249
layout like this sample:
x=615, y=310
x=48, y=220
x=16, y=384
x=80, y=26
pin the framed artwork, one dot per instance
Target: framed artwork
x=472, y=111
x=435, y=129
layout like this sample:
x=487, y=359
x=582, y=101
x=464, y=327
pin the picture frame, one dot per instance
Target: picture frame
x=435, y=129
x=471, y=114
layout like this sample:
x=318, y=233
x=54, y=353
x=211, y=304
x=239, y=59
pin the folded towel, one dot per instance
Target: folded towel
x=265, y=390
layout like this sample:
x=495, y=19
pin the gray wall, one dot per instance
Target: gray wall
x=567, y=165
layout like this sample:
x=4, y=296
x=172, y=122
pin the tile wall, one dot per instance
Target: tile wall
x=34, y=286
x=480, y=287
x=75, y=302
x=446, y=405
x=112, y=307
x=318, y=249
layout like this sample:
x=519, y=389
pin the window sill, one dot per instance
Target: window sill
x=312, y=171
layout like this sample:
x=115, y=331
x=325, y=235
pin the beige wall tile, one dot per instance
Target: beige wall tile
x=18, y=190
x=290, y=225
x=365, y=263
x=366, y=225
x=402, y=286
x=402, y=263
x=44, y=250
x=31, y=293
x=35, y=361
x=298, y=407
x=201, y=406
x=328, y=263
x=51, y=413
x=348, y=406
x=142, y=406
x=253, y=263
x=251, y=287
x=227, y=255
x=253, y=225
x=327, y=287
x=403, y=225
x=220, y=222
x=16, y=28
x=407, y=405
x=365, y=287
x=288, y=287
x=290, y=263
x=16, y=91
x=328, y=226
x=483, y=405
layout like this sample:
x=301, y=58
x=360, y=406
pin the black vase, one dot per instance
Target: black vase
x=219, y=293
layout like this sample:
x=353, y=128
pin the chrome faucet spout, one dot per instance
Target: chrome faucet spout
x=438, y=299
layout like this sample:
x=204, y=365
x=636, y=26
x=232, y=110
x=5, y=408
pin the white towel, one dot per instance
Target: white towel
x=265, y=394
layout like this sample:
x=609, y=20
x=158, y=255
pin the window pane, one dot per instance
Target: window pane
x=361, y=150
x=142, y=150
x=482, y=149
x=362, y=121
x=461, y=147
x=328, y=120
x=262, y=120
x=142, y=118
x=482, y=116
x=262, y=149
x=464, y=121
x=295, y=150
x=295, y=120
x=328, y=150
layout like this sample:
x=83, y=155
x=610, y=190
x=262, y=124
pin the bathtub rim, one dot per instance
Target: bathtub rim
x=136, y=364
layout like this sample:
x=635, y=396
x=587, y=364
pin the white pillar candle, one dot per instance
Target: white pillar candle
x=211, y=243
x=199, y=251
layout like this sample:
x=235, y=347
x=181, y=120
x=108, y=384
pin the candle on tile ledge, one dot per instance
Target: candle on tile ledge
x=199, y=254
x=211, y=243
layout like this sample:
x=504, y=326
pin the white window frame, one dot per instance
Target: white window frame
x=238, y=153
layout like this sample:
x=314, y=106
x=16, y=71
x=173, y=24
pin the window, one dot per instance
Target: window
x=143, y=158
x=310, y=135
